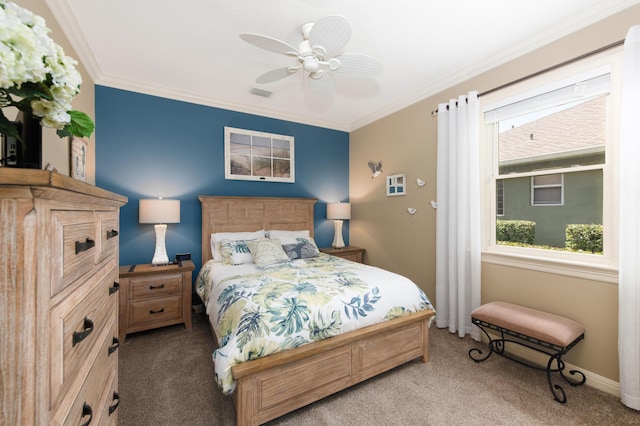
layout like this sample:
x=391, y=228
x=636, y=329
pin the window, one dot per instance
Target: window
x=499, y=197
x=549, y=144
x=546, y=190
x=258, y=156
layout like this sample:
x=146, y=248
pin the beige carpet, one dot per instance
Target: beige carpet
x=166, y=379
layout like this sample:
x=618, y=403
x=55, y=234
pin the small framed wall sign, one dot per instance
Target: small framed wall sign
x=250, y=155
x=396, y=185
x=78, y=160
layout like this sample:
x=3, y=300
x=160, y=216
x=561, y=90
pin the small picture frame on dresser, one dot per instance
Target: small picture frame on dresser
x=78, y=158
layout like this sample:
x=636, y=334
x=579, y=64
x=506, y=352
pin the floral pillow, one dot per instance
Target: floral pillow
x=267, y=251
x=302, y=249
x=235, y=252
x=219, y=236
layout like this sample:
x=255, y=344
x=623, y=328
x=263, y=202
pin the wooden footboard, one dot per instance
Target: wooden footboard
x=278, y=384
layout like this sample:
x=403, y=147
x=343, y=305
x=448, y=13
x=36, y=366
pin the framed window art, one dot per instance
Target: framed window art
x=396, y=185
x=259, y=156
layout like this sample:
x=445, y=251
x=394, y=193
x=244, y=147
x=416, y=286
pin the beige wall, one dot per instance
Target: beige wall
x=55, y=150
x=406, y=143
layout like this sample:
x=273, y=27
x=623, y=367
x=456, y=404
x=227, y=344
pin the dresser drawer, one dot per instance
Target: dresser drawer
x=95, y=394
x=355, y=257
x=73, y=251
x=108, y=231
x=77, y=325
x=154, y=311
x=155, y=286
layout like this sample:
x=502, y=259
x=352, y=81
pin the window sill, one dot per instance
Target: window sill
x=589, y=271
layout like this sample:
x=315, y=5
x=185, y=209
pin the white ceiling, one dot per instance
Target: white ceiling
x=190, y=50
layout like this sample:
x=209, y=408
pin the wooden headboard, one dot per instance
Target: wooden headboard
x=238, y=214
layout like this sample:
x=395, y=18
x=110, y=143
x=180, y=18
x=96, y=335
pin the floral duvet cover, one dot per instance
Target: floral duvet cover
x=258, y=311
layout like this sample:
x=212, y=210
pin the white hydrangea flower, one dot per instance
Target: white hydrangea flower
x=29, y=55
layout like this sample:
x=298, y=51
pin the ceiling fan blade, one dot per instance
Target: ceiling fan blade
x=277, y=74
x=269, y=43
x=332, y=33
x=355, y=64
x=321, y=83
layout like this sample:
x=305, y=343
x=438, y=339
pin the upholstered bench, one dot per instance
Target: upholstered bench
x=549, y=334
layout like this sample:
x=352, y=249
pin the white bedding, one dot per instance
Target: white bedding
x=258, y=311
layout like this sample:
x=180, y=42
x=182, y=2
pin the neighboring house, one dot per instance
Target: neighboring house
x=549, y=144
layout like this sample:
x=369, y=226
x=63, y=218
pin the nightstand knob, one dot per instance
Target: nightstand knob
x=116, y=397
x=116, y=287
x=156, y=312
x=155, y=287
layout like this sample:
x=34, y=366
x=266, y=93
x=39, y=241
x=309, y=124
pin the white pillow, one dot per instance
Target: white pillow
x=219, y=236
x=267, y=251
x=289, y=237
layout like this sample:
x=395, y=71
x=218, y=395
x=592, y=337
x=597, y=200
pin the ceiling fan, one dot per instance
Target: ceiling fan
x=318, y=55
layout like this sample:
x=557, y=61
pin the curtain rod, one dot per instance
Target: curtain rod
x=551, y=68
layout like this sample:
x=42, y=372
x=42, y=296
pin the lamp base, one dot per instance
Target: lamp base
x=160, y=255
x=338, y=242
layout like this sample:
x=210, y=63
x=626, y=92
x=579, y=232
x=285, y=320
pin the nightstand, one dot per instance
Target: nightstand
x=154, y=296
x=349, y=252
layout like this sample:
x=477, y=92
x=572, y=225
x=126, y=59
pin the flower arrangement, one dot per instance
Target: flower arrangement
x=35, y=75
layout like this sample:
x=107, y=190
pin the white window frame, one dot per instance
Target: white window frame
x=588, y=266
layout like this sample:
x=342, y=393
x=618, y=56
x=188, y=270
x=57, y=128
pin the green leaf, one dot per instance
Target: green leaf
x=81, y=125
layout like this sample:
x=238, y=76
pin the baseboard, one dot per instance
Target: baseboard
x=594, y=380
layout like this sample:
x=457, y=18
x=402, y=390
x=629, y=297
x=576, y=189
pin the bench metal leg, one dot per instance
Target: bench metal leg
x=555, y=353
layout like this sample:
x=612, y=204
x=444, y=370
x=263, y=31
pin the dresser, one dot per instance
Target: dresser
x=58, y=300
x=155, y=296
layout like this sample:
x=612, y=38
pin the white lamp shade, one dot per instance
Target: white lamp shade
x=338, y=211
x=159, y=210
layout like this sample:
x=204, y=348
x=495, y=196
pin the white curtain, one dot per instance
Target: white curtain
x=629, y=225
x=458, y=215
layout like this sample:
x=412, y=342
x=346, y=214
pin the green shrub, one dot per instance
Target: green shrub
x=584, y=237
x=517, y=231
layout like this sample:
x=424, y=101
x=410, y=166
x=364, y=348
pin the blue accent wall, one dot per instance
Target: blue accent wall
x=148, y=146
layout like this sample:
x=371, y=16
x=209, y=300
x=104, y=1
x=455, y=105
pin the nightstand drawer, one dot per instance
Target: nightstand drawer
x=155, y=286
x=356, y=257
x=73, y=251
x=154, y=311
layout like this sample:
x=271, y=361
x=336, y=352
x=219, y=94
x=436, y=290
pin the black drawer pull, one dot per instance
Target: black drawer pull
x=111, y=234
x=114, y=407
x=79, y=336
x=116, y=287
x=156, y=312
x=155, y=287
x=114, y=346
x=87, y=411
x=80, y=247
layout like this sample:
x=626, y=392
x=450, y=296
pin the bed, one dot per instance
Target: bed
x=271, y=386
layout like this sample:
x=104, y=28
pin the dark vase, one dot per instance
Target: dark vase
x=25, y=153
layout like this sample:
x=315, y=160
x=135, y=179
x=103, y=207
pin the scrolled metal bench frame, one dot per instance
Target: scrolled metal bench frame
x=554, y=352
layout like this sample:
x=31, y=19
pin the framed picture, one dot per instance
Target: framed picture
x=396, y=185
x=250, y=155
x=78, y=160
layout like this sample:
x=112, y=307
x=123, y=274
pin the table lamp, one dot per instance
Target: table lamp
x=160, y=212
x=338, y=212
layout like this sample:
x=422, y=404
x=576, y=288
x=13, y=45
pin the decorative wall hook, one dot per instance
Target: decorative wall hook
x=434, y=204
x=420, y=182
x=411, y=210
